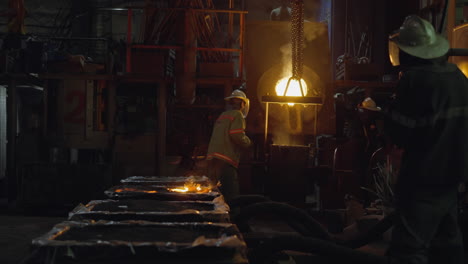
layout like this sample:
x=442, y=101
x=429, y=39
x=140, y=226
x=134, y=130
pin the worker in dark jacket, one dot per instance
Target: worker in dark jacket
x=227, y=142
x=428, y=119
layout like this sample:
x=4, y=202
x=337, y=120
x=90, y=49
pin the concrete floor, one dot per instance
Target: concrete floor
x=16, y=232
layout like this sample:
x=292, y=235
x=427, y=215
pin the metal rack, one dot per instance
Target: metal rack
x=239, y=50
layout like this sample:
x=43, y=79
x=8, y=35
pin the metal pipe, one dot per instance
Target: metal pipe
x=45, y=112
x=93, y=39
x=266, y=128
x=139, y=46
x=241, y=44
x=179, y=47
x=186, y=63
x=300, y=87
x=12, y=115
x=218, y=49
x=444, y=16
x=346, y=29
x=451, y=14
x=113, y=8
x=129, y=40
x=231, y=22
x=287, y=86
x=161, y=133
x=101, y=85
x=111, y=108
x=102, y=29
x=310, y=100
x=315, y=120
x=194, y=10
x=457, y=52
x=89, y=114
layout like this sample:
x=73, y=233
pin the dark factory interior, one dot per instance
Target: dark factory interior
x=233, y=131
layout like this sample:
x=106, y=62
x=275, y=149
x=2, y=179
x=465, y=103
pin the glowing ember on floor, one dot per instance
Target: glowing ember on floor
x=294, y=88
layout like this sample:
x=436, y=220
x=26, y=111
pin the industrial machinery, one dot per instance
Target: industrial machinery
x=108, y=109
x=290, y=69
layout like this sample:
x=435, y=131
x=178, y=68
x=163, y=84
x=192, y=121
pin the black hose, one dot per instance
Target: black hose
x=244, y=200
x=373, y=233
x=307, y=226
x=333, y=252
x=298, y=219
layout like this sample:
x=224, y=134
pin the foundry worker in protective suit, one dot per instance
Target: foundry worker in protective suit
x=428, y=119
x=227, y=142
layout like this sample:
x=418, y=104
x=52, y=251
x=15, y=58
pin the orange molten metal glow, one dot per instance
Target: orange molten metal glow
x=133, y=190
x=463, y=65
x=294, y=88
x=192, y=188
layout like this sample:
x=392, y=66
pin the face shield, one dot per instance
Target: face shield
x=393, y=50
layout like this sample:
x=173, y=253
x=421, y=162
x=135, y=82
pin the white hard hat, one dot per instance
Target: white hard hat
x=418, y=38
x=237, y=94
x=240, y=95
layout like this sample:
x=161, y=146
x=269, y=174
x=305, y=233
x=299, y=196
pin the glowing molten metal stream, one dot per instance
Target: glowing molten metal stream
x=294, y=88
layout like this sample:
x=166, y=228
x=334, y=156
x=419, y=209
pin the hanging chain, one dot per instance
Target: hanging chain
x=297, y=38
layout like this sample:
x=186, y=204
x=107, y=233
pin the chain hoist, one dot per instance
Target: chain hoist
x=297, y=43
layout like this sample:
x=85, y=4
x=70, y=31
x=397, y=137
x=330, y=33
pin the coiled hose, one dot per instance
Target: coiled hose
x=298, y=219
x=306, y=225
x=374, y=233
x=245, y=200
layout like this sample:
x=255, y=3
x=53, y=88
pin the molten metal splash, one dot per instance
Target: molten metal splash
x=294, y=88
x=192, y=188
x=133, y=190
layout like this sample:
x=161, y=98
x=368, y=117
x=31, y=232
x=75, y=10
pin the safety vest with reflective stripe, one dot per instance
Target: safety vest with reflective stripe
x=228, y=138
